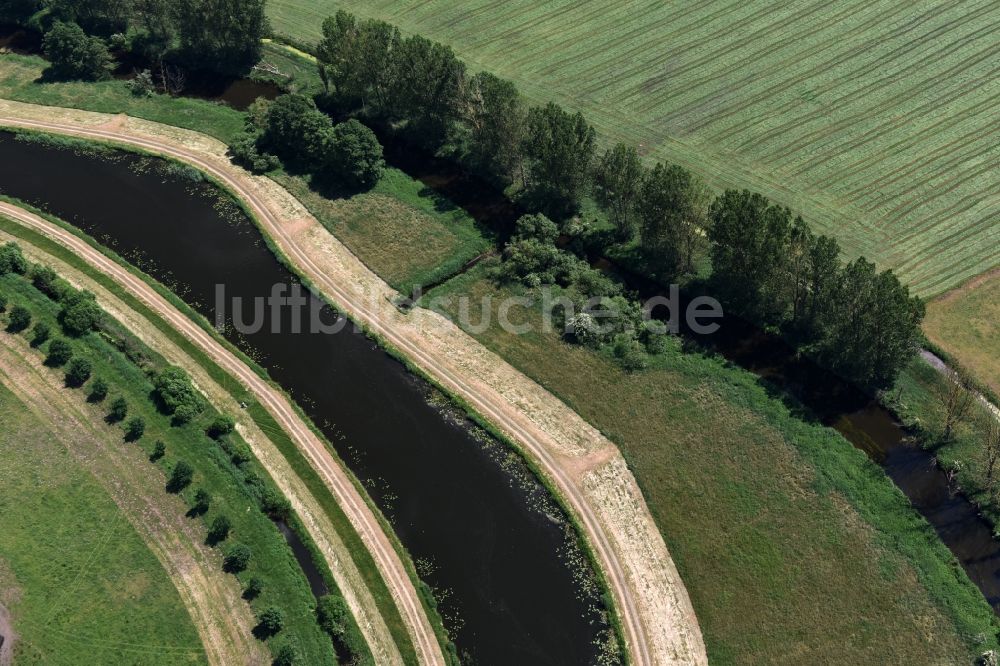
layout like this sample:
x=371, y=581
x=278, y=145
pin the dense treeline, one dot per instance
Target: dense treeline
x=766, y=266
x=422, y=90
x=771, y=269
x=171, y=35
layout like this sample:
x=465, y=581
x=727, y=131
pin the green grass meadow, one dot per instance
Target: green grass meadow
x=875, y=120
x=78, y=580
x=794, y=547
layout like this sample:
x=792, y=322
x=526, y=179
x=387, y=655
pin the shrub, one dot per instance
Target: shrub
x=238, y=452
x=134, y=429
x=271, y=621
x=296, y=130
x=273, y=503
x=118, y=410
x=220, y=426
x=219, y=530
x=98, y=390
x=3, y=303
x=333, y=615
x=286, y=655
x=354, y=155
x=180, y=477
x=254, y=587
x=59, y=353
x=46, y=281
x=244, y=151
x=237, y=558
x=78, y=372
x=80, y=313
x=142, y=85
x=12, y=260
x=40, y=334
x=20, y=319
x=630, y=353
x=536, y=226
x=202, y=502
x=159, y=450
x=176, y=393
x=74, y=55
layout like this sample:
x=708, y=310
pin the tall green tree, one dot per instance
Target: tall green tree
x=496, y=116
x=357, y=61
x=618, y=179
x=354, y=155
x=749, y=238
x=874, y=329
x=824, y=274
x=428, y=87
x=296, y=130
x=12, y=259
x=18, y=12
x=663, y=204
x=96, y=17
x=221, y=35
x=74, y=55
x=337, y=55
x=155, y=30
x=80, y=313
x=559, y=147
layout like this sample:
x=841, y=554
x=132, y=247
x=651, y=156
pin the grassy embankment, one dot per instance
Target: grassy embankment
x=79, y=581
x=873, y=120
x=124, y=363
x=258, y=413
x=788, y=539
x=405, y=233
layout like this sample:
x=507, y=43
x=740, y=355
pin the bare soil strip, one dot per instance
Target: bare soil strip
x=222, y=618
x=7, y=638
x=658, y=620
x=349, y=579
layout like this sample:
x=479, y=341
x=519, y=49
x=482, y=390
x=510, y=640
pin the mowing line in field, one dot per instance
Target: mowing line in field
x=909, y=140
x=920, y=227
x=863, y=95
x=658, y=61
x=780, y=67
x=718, y=54
x=956, y=181
x=826, y=66
x=952, y=149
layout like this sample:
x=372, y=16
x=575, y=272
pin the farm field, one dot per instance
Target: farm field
x=876, y=121
x=78, y=580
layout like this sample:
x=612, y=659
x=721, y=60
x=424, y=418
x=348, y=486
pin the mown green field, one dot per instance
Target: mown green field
x=80, y=583
x=876, y=120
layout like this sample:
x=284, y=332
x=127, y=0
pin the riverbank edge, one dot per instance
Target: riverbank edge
x=258, y=414
x=685, y=627
x=461, y=405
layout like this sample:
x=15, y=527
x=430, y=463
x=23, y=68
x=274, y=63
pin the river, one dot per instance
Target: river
x=483, y=532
